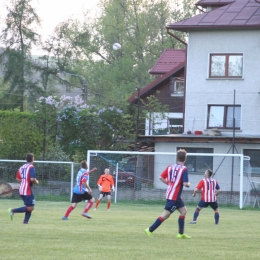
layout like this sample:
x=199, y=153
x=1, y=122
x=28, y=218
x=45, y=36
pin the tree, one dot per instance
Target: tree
x=18, y=36
x=139, y=26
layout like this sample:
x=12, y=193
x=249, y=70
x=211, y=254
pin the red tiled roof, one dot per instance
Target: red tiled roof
x=155, y=83
x=239, y=14
x=169, y=59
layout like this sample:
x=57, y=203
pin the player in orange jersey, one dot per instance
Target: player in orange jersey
x=105, y=183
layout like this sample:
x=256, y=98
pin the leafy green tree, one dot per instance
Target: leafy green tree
x=18, y=37
x=138, y=25
x=19, y=135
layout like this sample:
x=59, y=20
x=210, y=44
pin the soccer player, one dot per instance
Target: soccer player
x=26, y=176
x=175, y=176
x=81, y=191
x=105, y=183
x=209, y=191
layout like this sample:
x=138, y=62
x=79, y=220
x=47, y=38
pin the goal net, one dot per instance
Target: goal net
x=136, y=175
x=56, y=179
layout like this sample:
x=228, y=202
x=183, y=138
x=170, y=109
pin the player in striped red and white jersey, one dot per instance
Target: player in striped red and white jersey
x=26, y=176
x=175, y=176
x=209, y=191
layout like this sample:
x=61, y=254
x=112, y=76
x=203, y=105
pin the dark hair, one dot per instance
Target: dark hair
x=84, y=164
x=29, y=157
x=209, y=172
x=181, y=155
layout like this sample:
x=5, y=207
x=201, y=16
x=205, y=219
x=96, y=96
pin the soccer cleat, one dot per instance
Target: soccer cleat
x=95, y=209
x=64, y=218
x=25, y=222
x=108, y=209
x=193, y=222
x=11, y=213
x=183, y=236
x=148, y=232
x=86, y=215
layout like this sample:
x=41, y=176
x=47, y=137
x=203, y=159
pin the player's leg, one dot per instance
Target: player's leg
x=214, y=206
x=108, y=201
x=181, y=220
x=89, y=204
x=75, y=200
x=29, y=203
x=168, y=209
x=98, y=201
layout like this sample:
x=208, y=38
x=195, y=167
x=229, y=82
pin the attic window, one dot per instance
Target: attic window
x=226, y=66
x=177, y=86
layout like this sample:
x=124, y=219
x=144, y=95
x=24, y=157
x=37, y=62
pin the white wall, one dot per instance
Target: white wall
x=201, y=91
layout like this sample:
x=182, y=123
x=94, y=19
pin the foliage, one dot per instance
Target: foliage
x=18, y=135
x=17, y=37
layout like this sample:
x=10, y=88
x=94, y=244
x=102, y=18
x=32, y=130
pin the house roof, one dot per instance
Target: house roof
x=155, y=83
x=169, y=60
x=238, y=14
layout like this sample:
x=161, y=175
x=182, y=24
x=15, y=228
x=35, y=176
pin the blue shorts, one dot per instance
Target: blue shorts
x=29, y=201
x=203, y=204
x=172, y=205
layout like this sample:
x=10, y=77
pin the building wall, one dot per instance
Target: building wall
x=201, y=91
x=228, y=178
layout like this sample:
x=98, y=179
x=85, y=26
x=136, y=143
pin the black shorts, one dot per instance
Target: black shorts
x=172, y=205
x=203, y=204
x=105, y=193
x=80, y=197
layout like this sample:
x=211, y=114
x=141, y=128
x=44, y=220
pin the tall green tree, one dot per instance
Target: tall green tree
x=18, y=37
x=139, y=26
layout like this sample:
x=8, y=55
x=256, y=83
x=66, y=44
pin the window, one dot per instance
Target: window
x=175, y=125
x=198, y=164
x=254, y=155
x=221, y=116
x=177, y=86
x=226, y=66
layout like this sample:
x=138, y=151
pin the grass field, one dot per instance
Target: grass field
x=119, y=234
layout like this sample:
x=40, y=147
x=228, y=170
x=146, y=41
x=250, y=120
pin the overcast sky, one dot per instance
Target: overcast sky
x=53, y=12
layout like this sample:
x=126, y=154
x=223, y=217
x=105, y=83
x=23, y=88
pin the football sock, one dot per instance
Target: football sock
x=20, y=210
x=181, y=224
x=108, y=204
x=196, y=214
x=97, y=203
x=27, y=217
x=68, y=211
x=216, y=217
x=156, y=224
x=88, y=206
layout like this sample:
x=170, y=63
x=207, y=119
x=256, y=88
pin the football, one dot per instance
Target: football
x=116, y=46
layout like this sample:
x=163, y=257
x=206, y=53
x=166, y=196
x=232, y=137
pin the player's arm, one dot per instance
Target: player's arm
x=195, y=192
x=33, y=177
x=93, y=170
x=164, y=176
x=218, y=190
x=18, y=176
x=87, y=186
x=186, y=182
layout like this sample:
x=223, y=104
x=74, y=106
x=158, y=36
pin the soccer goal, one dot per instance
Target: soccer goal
x=56, y=179
x=136, y=174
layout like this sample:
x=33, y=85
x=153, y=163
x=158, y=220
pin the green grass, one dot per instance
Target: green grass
x=119, y=234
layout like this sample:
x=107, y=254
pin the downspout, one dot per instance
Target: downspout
x=186, y=45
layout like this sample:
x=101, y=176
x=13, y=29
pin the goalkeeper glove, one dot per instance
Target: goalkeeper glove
x=100, y=187
x=113, y=188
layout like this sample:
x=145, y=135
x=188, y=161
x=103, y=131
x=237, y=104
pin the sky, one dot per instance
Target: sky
x=53, y=12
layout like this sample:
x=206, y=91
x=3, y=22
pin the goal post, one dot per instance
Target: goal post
x=136, y=174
